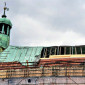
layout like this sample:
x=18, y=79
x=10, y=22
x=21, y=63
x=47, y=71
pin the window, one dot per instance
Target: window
x=29, y=80
x=0, y=28
x=5, y=29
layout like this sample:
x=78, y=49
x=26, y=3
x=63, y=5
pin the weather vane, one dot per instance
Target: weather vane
x=5, y=8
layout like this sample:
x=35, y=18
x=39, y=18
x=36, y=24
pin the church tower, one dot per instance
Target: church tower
x=5, y=27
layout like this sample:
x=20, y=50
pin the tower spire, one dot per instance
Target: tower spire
x=5, y=8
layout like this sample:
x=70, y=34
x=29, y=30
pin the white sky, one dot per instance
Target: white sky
x=46, y=22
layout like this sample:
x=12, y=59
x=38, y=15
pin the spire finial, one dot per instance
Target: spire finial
x=5, y=8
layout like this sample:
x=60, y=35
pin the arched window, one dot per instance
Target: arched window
x=8, y=30
x=5, y=29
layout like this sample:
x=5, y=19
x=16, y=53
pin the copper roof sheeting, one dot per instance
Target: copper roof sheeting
x=20, y=54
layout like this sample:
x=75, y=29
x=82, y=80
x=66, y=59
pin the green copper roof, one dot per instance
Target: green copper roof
x=6, y=21
x=21, y=54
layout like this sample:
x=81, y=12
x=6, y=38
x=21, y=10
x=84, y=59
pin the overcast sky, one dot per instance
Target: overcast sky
x=46, y=22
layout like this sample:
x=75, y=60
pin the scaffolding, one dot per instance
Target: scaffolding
x=59, y=73
x=62, y=50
